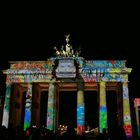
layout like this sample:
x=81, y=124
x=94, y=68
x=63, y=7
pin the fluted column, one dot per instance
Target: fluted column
x=80, y=108
x=5, y=119
x=51, y=111
x=126, y=111
x=102, y=107
x=28, y=107
x=137, y=109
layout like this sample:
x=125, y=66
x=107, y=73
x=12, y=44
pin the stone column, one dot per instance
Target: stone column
x=137, y=109
x=126, y=111
x=6, y=110
x=102, y=107
x=28, y=107
x=51, y=112
x=80, y=108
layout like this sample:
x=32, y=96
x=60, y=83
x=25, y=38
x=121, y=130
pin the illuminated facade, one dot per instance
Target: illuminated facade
x=62, y=73
x=137, y=110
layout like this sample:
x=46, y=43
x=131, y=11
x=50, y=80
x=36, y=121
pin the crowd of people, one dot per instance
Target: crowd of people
x=42, y=133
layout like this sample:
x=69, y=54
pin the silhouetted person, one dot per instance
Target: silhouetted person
x=104, y=134
x=70, y=134
x=121, y=132
x=118, y=133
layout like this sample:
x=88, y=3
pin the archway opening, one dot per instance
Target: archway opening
x=23, y=108
x=91, y=110
x=43, y=107
x=112, y=113
x=67, y=108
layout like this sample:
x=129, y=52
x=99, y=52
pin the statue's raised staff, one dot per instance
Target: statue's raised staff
x=69, y=49
x=57, y=53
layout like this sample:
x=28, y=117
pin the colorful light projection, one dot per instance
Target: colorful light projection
x=103, y=109
x=31, y=67
x=27, y=78
x=95, y=71
x=103, y=63
x=80, y=119
x=28, y=105
x=89, y=70
x=137, y=109
x=80, y=112
x=126, y=111
x=5, y=120
x=51, y=113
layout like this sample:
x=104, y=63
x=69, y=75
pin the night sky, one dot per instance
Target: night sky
x=31, y=33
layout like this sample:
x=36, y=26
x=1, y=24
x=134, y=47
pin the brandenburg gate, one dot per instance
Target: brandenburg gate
x=67, y=71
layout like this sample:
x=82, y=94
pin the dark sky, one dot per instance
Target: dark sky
x=30, y=33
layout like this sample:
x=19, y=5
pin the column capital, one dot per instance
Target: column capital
x=125, y=84
x=102, y=82
x=80, y=84
x=8, y=83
